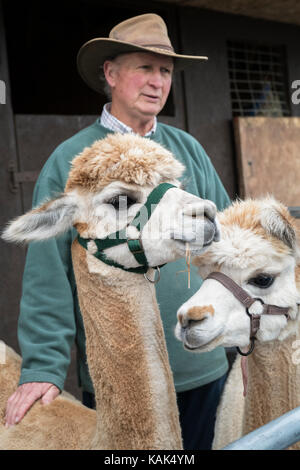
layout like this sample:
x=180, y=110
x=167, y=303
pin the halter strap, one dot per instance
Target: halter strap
x=153, y=199
x=102, y=257
x=234, y=288
x=246, y=299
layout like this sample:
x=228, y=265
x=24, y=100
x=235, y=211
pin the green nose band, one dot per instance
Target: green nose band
x=135, y=246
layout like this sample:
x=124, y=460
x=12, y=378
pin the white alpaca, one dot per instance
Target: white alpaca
x=259, y=252
x=108, y=185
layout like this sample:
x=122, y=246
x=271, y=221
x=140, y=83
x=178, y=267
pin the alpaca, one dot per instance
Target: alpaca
x=128, y=362
x=258, y=251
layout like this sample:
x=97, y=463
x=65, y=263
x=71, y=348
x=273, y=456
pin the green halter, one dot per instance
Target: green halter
x=135, y=246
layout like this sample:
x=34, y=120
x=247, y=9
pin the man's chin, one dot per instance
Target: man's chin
x=149, y=108
x=150, y=111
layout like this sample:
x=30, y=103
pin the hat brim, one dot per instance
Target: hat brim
x=94, y=52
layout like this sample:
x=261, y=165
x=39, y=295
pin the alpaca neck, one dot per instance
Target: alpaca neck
x=127, y=358
x=273, y=383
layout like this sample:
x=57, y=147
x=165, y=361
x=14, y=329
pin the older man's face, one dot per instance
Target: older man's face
x=141, y=82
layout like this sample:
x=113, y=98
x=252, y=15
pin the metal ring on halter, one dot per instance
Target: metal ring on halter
x=250, y=349
x=262, y=303
x=155, y=280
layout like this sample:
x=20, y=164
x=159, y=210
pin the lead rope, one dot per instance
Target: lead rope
x=188, y=262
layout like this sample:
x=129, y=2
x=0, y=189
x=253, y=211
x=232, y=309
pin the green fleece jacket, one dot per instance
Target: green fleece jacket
x=50, y=319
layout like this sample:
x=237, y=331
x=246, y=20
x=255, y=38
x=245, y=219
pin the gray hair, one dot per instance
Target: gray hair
x=105, y=86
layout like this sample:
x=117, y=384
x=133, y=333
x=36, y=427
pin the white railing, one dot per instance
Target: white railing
x=276, y=435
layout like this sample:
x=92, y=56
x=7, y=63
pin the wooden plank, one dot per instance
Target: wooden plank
x=268, y=157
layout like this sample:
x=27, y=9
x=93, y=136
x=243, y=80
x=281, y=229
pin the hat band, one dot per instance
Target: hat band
x=158, y=46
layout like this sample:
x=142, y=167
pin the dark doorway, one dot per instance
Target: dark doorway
x=42, y=42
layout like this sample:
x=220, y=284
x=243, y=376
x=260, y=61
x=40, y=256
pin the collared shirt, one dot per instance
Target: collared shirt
x=111, y=122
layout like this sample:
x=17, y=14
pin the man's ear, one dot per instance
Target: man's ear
x=49, y=220
x=109, y=69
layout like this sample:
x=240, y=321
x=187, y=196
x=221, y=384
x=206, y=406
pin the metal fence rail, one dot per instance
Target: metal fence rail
x=276, y=435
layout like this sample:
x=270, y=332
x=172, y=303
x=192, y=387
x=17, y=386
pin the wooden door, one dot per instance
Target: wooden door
x=268, y=158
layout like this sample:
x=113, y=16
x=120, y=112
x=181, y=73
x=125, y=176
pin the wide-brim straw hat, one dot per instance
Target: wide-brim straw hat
x=143, y=33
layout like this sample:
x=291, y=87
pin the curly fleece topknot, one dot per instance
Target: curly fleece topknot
x=127, y=158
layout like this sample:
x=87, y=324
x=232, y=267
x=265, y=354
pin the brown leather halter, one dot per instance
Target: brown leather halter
x=247, y=301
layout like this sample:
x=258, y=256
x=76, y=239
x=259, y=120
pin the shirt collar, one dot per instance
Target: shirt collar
x=111, y=122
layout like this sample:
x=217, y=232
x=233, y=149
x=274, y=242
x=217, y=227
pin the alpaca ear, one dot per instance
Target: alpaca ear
x=276, y=220
x=49, y=220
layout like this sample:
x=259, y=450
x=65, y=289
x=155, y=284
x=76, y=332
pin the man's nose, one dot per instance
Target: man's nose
x=155, y=80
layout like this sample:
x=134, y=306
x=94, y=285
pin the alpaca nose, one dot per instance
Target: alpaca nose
x=209, y=231
x=204, y=208
x=195, y=315
x=186, y=322
x=204, y=223
x=182, y=320
x=200, y=313
x=210, y=210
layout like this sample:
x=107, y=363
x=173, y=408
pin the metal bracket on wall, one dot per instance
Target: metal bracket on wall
x=17, y=177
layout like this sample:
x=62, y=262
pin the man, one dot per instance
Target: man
x=138, y=62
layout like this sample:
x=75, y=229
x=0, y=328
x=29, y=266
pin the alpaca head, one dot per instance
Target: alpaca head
x=107, y=186
x=258, y=251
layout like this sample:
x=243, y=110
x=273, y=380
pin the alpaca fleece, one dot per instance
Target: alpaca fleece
x=130, y=415
x=131, y=159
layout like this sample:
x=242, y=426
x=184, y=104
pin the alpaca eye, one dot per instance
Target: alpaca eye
x=262, y=280
x=121, y=201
